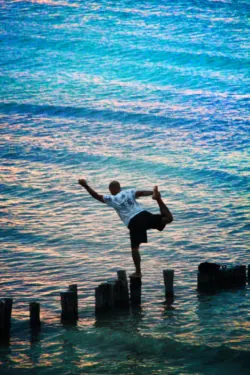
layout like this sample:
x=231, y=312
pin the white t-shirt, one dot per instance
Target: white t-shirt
x=125, y=204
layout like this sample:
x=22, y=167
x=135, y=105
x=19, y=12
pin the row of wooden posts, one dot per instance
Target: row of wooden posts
x=224, y=277
x=69, y=313
x=115, y=294
x=107, y=296
x=118, y=294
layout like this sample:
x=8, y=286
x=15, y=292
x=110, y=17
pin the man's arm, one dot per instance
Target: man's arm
x=143, y=193
x=92, y=192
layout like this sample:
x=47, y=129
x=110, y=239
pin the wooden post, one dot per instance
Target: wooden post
x=168, y=276
x=7, y=312
x=225, y=277
x=229, y=277
x=121, y=274
x=5, y=319
x=73, y=289
x=68, y=307
x=240, y=276
x=105, y=297
x=118, y=293
x=110, y=294
x=169, y=302
x=2, y=333
x=99, y=298
x=206, y=283
x=122, y=287
x=34, y=308
x=135, y=290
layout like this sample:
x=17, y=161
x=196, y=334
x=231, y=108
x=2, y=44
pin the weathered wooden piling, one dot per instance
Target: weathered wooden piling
x=105, y=296
x=8, y=311
x=168, y=276
x=223, y=277
x=68, y=314
x=73, y=289
x=118, y=292
x=239, y=275
x=206, y=282
x=135, y=290
x=5, y=319
x=34, y=308
x=121, y=274
x=112, y=294
x=121, y=290
x=169, y=302
x=2, y=325
x=99, y=298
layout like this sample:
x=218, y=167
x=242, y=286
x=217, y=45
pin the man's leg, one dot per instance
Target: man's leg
x=166, y=214
x=137, y=261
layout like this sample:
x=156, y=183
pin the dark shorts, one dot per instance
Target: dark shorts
x=139, y=225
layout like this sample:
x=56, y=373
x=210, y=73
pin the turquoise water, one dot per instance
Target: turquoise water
x=149, y=92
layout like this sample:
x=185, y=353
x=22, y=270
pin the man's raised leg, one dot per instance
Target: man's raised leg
x=167, y=217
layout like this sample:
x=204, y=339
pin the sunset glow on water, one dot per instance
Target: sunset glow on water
x=148, y=93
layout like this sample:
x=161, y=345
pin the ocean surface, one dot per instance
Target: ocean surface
x=148, y=93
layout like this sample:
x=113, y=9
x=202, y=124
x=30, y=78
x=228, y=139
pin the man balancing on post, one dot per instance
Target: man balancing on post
x=134, y=216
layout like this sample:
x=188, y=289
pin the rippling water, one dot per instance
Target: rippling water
x=148, y=93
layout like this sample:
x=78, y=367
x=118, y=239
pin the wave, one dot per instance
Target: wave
x=193, y=175
x=173, y=118
x=113, y=350
x=80, y=112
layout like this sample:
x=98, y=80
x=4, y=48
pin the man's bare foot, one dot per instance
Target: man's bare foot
x=82, y=182
x=135, y=274
x=156, y=194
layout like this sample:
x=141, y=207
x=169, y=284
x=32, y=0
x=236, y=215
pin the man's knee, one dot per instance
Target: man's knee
x=169, y=218
x=166, y=220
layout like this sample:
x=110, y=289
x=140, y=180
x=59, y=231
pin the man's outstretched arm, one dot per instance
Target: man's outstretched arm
x=92, y=192
x=143, y=193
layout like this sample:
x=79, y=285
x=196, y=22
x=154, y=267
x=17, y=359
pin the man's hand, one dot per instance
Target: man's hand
x=91, y=191
x=82, y=182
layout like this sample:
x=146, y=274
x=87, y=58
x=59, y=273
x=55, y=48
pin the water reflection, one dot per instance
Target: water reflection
x=35, y=335
x=124, y=319
x=35, y=345
x=215, y=311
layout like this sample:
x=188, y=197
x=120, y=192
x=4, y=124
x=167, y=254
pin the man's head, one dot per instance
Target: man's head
x=114, y=187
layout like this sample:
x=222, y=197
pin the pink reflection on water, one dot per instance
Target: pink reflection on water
x=50, y=2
